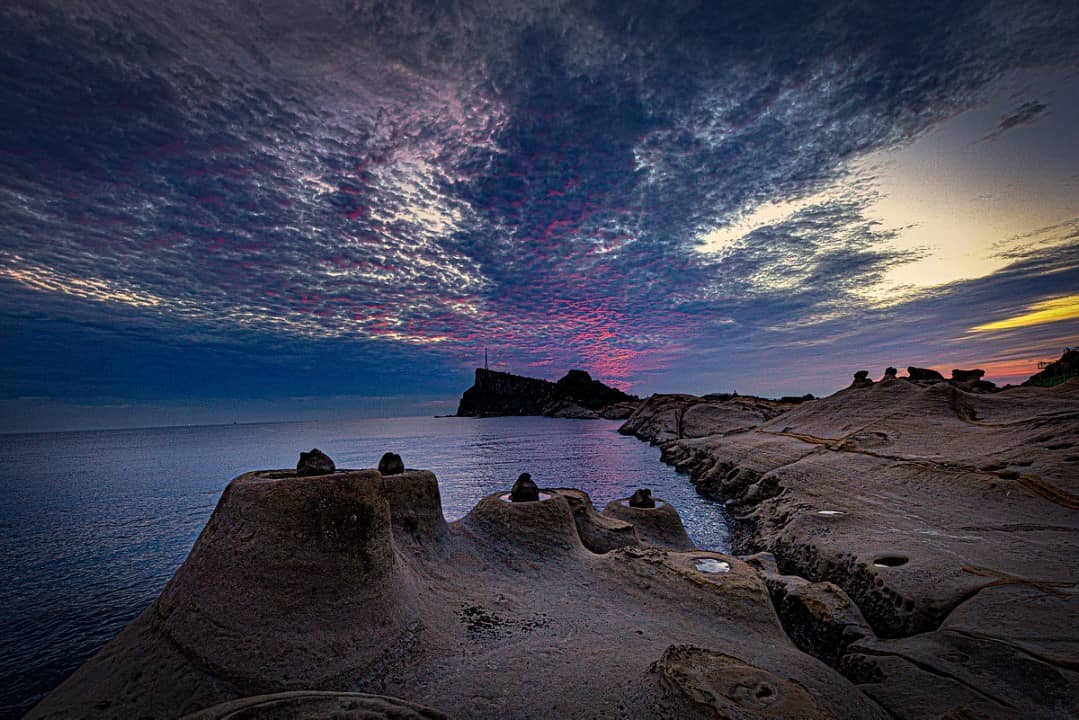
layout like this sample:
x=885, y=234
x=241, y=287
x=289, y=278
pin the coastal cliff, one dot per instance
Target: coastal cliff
x=576, y=395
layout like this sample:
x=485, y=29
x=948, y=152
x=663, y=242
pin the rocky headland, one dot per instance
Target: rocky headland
x=904, y=548
x=918, y=534
x=576, y=395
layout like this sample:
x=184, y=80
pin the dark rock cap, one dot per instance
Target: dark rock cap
x=967, y=375
x=890, y=373
x=917, y=373
x=315, y=462
x=642, y=498
x=524, y=490
x=391, y=464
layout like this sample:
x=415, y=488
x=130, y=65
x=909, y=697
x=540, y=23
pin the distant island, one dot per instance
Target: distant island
x=576, y=395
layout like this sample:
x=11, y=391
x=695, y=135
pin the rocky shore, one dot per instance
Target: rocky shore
x=347, y=595
x=917, y=534
x=904, y=548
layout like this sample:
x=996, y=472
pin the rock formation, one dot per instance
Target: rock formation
x=642, y=498
x=576, y=395
x=524, y=490
x=919, y=537
x=1060, y=370
x=315, y=462
x=890, y=373
x=966, y=376
x=923, y=374
x=391, y=464
x=861, y=379
x=348, y=595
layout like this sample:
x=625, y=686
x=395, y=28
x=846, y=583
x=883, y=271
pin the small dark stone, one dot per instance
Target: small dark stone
x=391, y=464
x=642, y=499
x=917, y=373
x=524, y=490
x=967, y=375
x=315, y=462
x=890, y=373
x=861, y=379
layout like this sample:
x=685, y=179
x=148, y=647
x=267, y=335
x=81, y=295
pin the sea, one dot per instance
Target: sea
x=94, y=523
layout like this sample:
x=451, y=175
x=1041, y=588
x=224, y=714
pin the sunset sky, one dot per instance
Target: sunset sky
x=241, y=211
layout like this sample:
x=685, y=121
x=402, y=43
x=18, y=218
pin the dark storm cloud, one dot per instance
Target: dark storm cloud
x=439, y=176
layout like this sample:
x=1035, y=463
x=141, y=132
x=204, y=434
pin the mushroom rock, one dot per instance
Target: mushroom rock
x=642, y=498
x=523, y=533
x=524, y=490
x=890, y=373
x=861, y=379
x=291, y=585
x=391, y=464
x=658, y=526
x=415, y=506
x=923, y=374
x=313, y=463
x=599, y=533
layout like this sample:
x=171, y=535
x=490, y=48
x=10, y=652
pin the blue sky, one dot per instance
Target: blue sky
x=281, y=210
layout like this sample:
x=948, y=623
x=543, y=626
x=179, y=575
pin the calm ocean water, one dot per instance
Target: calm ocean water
x=93, y=524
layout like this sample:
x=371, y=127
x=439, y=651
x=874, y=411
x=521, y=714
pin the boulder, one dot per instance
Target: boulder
x=861, y=379
x=314, y=463
x=924, y=374
x=890, y=373
x=524, y=490
x=642, y=499
x=391, y=464
x=966, y=376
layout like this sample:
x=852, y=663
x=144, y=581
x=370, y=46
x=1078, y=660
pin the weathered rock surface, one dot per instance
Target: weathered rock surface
x=302, y=592
x=946, y=517
x=576, y=395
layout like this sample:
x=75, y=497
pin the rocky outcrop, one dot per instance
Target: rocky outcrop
x=1060, y=370
x=576, y=395
x=348, y=595
x=923, y=374
x=924, y=535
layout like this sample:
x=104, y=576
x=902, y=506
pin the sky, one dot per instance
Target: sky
x=276, y=210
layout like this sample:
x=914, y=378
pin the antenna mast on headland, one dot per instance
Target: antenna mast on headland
x=485, y=359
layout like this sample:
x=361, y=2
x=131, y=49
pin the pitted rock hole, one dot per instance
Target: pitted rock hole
x=712, y=566
x=888, y=561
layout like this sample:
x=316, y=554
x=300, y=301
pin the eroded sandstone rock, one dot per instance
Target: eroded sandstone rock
x=642, y=498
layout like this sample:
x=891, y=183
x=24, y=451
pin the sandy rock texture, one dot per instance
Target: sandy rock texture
x=304, y=591
x=919, y=537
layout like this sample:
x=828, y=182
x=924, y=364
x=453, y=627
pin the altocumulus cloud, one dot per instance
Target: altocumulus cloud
x=540, y=177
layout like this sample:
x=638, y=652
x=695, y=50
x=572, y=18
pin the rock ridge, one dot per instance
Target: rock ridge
x=917, y=534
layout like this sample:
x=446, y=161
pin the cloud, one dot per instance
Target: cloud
x=1044, y=311
x=1026, y=114
x=629, y=187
